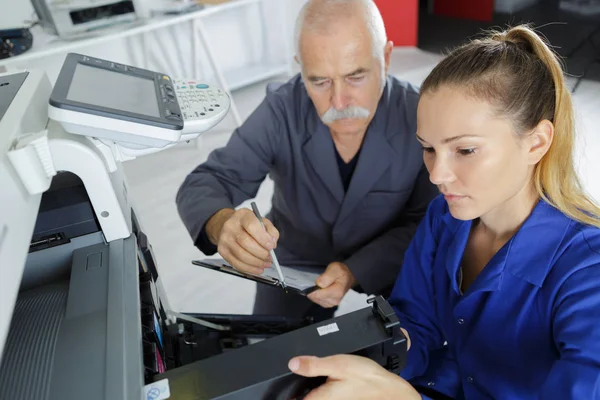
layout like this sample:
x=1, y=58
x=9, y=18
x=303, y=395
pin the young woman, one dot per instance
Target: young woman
x=499, y=294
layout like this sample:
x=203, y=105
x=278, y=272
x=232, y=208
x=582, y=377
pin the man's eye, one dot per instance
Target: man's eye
x=428, y=149
x=357, y=78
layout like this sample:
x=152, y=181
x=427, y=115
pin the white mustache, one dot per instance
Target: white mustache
x=351, y=112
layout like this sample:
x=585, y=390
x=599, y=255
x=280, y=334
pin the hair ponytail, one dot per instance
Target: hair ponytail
x=518, y=71
x=555, y=178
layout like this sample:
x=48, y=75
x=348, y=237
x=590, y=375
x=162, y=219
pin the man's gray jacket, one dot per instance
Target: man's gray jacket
x=368, y=227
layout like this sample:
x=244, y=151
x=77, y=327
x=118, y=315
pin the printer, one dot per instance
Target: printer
x=70, y=18
x=83, y=312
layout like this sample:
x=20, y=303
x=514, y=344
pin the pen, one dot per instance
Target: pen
x=271, y=252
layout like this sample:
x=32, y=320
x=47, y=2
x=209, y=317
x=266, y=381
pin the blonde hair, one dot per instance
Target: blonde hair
x=519, y=74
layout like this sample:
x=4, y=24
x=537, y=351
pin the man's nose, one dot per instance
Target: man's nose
x=440, y=171
x=339, y=97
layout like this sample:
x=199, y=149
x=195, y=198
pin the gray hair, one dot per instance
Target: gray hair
x=318, y=16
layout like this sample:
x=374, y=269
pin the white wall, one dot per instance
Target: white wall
x=14, y=12
x=236, y=38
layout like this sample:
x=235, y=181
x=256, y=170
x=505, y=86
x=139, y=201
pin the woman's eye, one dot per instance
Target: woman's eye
x=428, y=149
x=466, y=152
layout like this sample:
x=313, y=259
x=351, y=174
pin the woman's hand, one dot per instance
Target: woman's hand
x=352, y=377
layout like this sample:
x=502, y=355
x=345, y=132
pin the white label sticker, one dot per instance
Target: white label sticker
x=157, y=390
x=327, y=329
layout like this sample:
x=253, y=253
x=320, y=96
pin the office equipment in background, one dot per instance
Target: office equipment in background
x=14, y=42
x=71, y=18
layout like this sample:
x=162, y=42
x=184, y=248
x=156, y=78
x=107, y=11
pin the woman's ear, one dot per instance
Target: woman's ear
x=539, y=141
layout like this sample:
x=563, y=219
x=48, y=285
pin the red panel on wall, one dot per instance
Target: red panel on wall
x=401, y=18
x=480, y=10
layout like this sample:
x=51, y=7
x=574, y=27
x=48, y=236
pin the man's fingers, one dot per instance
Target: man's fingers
x=247, y=258
x=324, y=280
x=252, y=225
x=317, y=298
x=250, y=245
x=243, y=267
x=329, y=297
x=320, y=298
x=236, y=244
x=271, y=230
x=324, y=303
x=332, y=273
x=238, y=264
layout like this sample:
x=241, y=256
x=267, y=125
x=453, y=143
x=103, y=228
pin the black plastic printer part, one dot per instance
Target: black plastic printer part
x=187, y=342
x=260, y=370
x=65, y=213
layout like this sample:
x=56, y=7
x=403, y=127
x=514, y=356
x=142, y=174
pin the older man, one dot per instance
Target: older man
x=339, y=143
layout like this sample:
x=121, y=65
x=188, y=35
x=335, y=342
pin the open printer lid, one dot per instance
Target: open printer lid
x=23, y=110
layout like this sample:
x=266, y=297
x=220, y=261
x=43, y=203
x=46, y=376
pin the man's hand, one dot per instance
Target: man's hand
x=241, y=240
x=352, y=377
x=334, y=283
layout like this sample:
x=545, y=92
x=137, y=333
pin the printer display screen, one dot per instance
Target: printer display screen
x=120, y=91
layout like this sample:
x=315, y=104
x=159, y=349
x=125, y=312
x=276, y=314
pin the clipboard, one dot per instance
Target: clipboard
x=297, y=281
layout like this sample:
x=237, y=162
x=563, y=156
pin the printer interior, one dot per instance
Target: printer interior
x=67, y=282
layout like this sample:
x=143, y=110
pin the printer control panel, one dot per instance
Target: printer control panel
x=201, y=104
x=169, y=100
